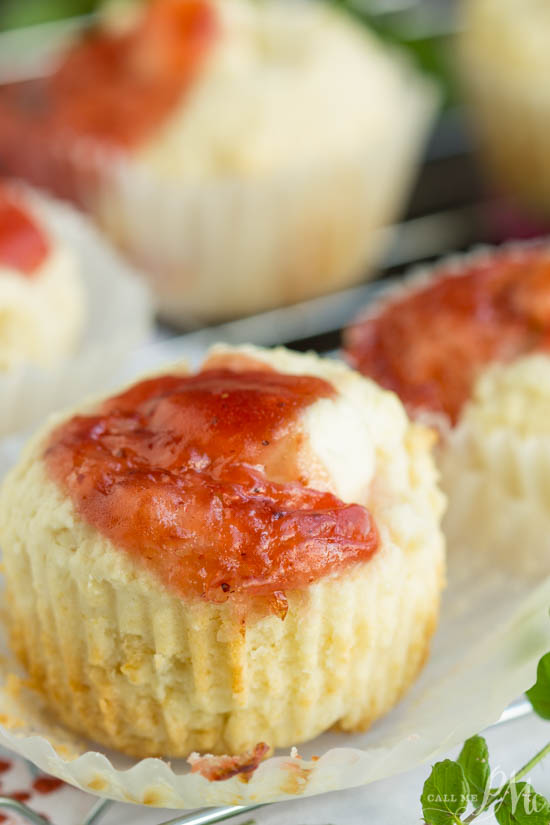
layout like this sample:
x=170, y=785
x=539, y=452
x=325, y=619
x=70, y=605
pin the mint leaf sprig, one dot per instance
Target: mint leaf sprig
x=458, y=792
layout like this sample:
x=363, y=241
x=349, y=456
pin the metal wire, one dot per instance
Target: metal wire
x=96, y=812
x=209, y=816
x=7, y=804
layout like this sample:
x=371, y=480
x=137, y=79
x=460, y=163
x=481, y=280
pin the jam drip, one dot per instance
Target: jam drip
x=23, y=246
x=195, y=475
x=429, y=346
x=111, y=88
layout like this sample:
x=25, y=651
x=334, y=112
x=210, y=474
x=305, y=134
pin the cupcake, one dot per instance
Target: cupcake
x=225, y=561
x=467, y=346
x=41, y=296
x=245, y=154
x=504, y=59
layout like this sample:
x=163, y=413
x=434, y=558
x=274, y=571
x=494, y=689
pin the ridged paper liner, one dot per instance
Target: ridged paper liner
x=498, y=483
x=493, y=629
x=348, y=647
x=228, y=247
x=118, y=314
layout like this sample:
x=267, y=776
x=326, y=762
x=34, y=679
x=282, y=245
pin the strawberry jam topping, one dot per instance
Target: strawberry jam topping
x=197, y=477
x=23, y=245
x=114, y=88
x=430, y=345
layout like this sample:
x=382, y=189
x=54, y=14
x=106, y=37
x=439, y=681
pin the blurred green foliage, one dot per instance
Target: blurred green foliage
x=16, y=13
x=432, y=52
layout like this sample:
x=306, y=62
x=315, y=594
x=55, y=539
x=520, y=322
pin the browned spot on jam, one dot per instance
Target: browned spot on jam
x=23, y=245
x=5, y=765
x=220, y=768
x=429, y=345
x=114, y=88
x=47, y=784
x=177, y=472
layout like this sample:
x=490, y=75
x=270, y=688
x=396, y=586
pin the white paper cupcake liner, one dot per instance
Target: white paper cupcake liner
x=118, y=315
x=234, y=247
x=493, y=629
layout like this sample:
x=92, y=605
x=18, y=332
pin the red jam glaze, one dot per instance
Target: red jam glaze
x=429, y=346
x=23, y=245
x=195, y=476
x=112, y=88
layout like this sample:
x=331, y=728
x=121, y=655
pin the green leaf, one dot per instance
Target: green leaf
x=14, y=13
x=539, y=694
x=522, y=805
x=445, y=794
x=474, y=760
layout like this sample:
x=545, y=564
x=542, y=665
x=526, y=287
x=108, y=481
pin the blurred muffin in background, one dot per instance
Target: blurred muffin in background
x=244, y=153
x=41, y=296
x=504, y=52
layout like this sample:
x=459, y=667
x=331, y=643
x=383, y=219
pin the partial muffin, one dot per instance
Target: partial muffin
x=504, y=62
x=428, y=338
x=248, y=554
x=466, y=345
x=245, y=154
x=41, y=297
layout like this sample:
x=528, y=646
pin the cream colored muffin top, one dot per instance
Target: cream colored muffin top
x=287, y=84
x=41, y=316
x=358, y=444
x=513, y=397
x=361, y=445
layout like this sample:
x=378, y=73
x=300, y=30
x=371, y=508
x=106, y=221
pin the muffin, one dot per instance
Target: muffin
x=244, y=154
x=249, y=554
x=504, y=58
x=41, y=297
x=467, y=347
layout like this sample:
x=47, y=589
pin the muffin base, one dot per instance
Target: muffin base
x=167, y=677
